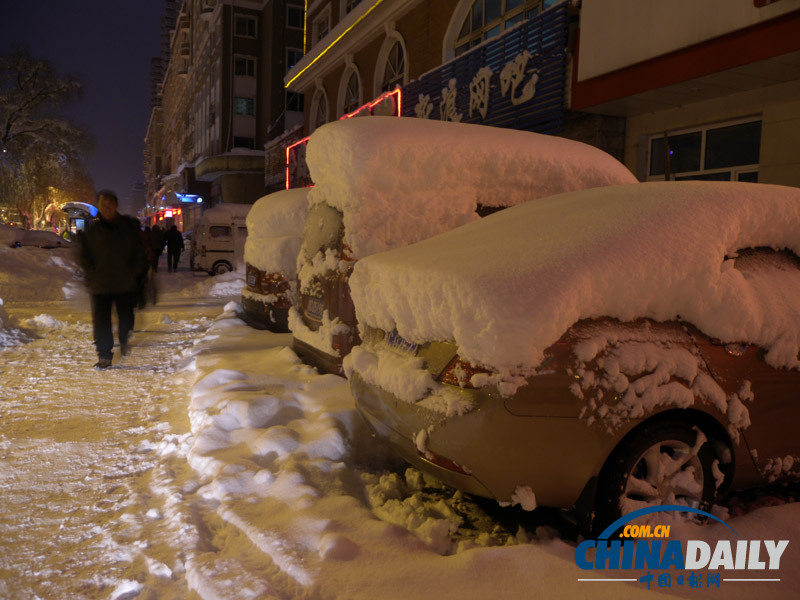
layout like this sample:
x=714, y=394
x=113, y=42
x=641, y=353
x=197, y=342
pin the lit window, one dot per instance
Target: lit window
x=244, y=26
x=295, y=17
x=244, y=66
x=394, y=70
x=727, y=152
x=244, y=106
x=488, y=18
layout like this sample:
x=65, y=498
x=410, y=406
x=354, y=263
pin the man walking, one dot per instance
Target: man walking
x=174, y=248
x=112, y=256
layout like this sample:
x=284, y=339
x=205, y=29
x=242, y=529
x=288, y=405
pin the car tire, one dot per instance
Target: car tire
x=658, y=464
x=220, y=268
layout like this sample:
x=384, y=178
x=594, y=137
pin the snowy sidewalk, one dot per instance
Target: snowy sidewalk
x=80, y=449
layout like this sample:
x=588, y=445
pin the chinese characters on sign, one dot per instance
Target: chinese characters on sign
x=517, y=82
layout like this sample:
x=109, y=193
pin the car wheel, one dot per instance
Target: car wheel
x=220, y=268
x=664, y=462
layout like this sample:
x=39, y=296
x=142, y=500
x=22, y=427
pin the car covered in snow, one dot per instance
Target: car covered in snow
x=602, y=350
x=275, y=226
x=385, y=182
x=17, y=237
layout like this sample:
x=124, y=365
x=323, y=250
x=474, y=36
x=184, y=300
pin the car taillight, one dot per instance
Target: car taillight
x=443, y=462
x=459, y=372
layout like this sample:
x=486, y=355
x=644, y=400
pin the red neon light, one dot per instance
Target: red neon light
x=288, y=148
x=397, y=93
x=376, y=101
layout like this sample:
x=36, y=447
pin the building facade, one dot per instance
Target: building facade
x=670, y=101
x=222, y=100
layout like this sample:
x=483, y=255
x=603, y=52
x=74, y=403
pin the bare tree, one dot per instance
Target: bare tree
x=39, y=150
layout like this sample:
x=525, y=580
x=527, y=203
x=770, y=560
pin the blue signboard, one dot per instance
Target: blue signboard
x=515, y=80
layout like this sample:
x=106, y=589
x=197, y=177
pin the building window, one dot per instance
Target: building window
x=488, y=18
x=321, y=26
x=295, y=19
x=293, y=56
x=244, y=66
x=348, y=5
x=319, y=110
x=244, y=142
x=294, y=101
x=394, y=69
x=351, y=99
x=244, y=106
x=244, y=26
x=727, y=152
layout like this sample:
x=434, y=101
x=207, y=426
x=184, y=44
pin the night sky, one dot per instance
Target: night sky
x=107, y=45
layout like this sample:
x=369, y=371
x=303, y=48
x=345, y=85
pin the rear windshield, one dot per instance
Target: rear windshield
x=219, y=231
x=766, y=259
x=324, y=229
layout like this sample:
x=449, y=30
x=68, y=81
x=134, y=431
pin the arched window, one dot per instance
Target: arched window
x=394, y=68
x=349, y=91
x=487, y=18
x=319, y=110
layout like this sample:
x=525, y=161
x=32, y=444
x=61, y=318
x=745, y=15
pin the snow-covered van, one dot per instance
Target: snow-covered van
x=218, y=241
x=275, y=230
x=385, y=182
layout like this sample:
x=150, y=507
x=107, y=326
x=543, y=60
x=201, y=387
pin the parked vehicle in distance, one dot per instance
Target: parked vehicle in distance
x=599, y=350
x=218, y=241
x=17, y=237
x=385, y=182
x=275, y=226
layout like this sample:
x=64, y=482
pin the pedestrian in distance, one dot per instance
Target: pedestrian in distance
x=174, y=248
x=112, y=257
x=156, y=245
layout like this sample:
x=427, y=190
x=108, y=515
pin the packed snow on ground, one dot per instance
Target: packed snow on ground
x=507, y=287
x=401, y=180
x=231, y=469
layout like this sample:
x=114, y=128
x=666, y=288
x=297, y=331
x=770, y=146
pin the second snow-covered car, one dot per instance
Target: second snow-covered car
x=607, y=350
x=275, y=226
x=386, y=182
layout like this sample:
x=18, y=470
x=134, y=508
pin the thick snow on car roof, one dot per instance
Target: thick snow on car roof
x=274, y=231
x=401, y=180
x=507, y=287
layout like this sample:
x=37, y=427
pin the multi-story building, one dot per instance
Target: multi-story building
x=635, y=81
x=223, y=99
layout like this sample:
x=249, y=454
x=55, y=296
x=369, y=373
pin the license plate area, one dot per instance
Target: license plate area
x=400, y=345
x=251, y=280
x=315, y=307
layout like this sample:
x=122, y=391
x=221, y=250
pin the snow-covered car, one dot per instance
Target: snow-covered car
x=606, y=350
x=37, y=239
x=386, y=182
x=275, y=225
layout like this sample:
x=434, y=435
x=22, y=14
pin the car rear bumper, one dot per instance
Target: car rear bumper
x=555, y=456
x=265, y=314
x=310, y=355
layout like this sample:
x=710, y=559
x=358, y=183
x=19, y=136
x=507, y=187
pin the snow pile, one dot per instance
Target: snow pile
x=34, y=274
x=10, y=235
x=218, y=286
x=10, y=334
x=402, y=180
x=507, y=287
x=286, y=461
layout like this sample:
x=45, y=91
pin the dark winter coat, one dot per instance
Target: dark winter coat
x=112, y=255
x=157, y=240
x=174, y=241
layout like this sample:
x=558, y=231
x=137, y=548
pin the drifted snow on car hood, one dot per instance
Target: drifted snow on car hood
x=401, y=180
x=507, y=287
